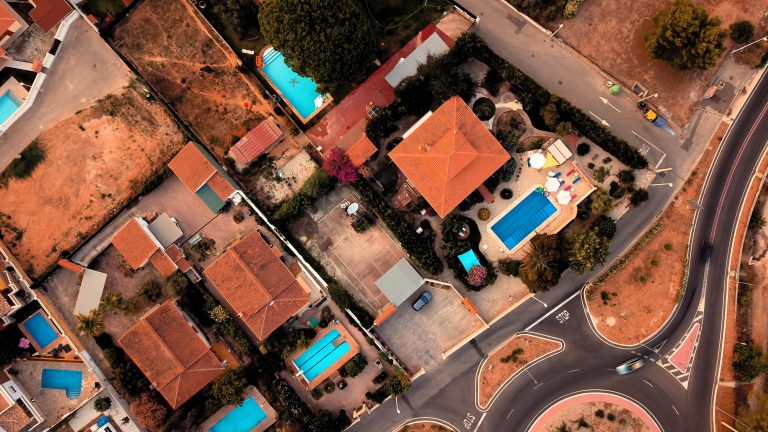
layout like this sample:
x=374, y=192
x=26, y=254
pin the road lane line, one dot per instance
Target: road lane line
x=538, y=385
x=510, y=413
x=648, y=383
x=482, y=417
x=676, y=412
x=529, y=374
x=574, y=370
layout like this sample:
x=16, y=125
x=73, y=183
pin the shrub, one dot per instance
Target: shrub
x=379, y=395
x=582, y=149
x=484, y=108
x=509, y=266
x=492, y=81
x=611, y=417
x=338, y=165
x=150, y=291
x=354, y=366
x=599, y=413
x=177, y=284
x=220, y=314
x=506, y=193
x=572, y=8
x=317, y=393
x=477, y=275
x=513, y=357
x=203, y=248
x=626, y=177
x=668, y=246
x=380, y=378
x=25, y=164
x=748, y=360
x=238, y=217
x=483, y=214
x=362, y=223
x=345, y=301
x=741, y=31
x=591, y=165
x=639, y=196
x=329, y=387
x=601, y=173
x=317, y=185
x=604, y=226
x=102, y=404
x=587, y=250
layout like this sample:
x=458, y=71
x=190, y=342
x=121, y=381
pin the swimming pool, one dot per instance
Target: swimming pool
x=300, y=92
x=40, y=329
x=523, y=218
x=8, y=106
x=241, y=419
x=70, y=381
x=321, y=355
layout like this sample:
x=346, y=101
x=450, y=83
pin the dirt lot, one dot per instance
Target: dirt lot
x=85, y=177
x=635, y=301
x=624, y=421
x=496, y=372
x=193, y=71
x=618, y=47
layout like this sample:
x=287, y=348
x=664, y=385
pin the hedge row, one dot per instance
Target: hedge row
x=317, y=186
x=533, y=96
x=344, y=300
x=418, y=247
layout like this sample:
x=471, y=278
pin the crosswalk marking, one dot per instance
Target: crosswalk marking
x=683, y=376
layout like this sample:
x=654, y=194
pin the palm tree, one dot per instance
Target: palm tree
x=91, y=324
x=113, y=301
x=538, y=259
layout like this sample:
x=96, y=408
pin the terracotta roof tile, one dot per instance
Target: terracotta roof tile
x=48, y=13
x=256, y=141
x=14, y=419
x=361, y=150
x=449, y=155
x=162, y=263
x=7, y=17
x=69, y=265
x=134, y=244
x=257, y=285
x=191, y=167
x=220, y=186
x=169, y=352
x=174, y=253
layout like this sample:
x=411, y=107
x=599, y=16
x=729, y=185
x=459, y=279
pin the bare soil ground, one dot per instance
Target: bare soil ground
x=193, y=70
x=634, y=302
x=97, y=160
x=600, y=32
x=495, y=372
x=424, y=427
x=625, y=420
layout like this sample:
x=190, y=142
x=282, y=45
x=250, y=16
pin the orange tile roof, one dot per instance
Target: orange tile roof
x=134, y=244
x=257, y=285
x=191, y=167
x=449, y=155
x=220, y=186
x=69, y=265
x=171, y=354
x=48, y=13
x=361, y=150
x=256, y=141
x=163, y=263
x=14, y=419
x=7, y=17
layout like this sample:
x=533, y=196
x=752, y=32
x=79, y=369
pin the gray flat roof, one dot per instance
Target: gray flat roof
x=399, y=282
x=165, y=230
x=91, y=288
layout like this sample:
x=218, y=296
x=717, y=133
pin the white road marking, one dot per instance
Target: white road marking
x=673, y=407
x=510, y=413
x=538, y=385
x=529, y=374
x=663, y=153
x=605, y=101
x=543, y=317
x=574, y=370
x=648, y=383
x=479, y=422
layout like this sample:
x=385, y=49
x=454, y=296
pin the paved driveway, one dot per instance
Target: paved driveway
x=85, y=70
x=420, y=338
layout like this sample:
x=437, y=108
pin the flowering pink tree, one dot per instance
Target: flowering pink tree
x=477, y=275
x=338, y=165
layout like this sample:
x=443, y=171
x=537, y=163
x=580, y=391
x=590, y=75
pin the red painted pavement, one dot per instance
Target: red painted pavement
x=343, y=125
x=682, y=357
x=636, y=409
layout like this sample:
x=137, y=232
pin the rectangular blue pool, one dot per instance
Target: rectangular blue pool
x=40, y=329
x=300, y=92
x=8, y=106
x=522, y=219
x=70, y=381
x=321, y=355
x=241, y=419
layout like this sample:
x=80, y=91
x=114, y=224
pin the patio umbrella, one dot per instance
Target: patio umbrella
x=537, y=161
x=563, y=197
x=552, y=184
x=319, y=102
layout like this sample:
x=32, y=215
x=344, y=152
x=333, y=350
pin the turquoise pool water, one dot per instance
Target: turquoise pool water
x=469, y=259
x=522, y=219
x=241, y=419
x=300, y=92
x=8, y=106
x=70, y=381
x=321, y=355
x=40, y=330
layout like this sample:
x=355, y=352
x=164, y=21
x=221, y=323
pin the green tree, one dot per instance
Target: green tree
x=452, y=225
x=685, y=36
x=113, y=301
x=741, y=31
x=550, y=115
x=229, y=389
x=572, y=8
x=757, y=418
x=638, y=197
x=177, y=284
x=756, y=221
x=91, y=324
x=102, y=404
x=330, y=41
x=399, y=383
x=602, y=203
x=540, y=269
x=587, y=250
x=354, y=366
x=604, y=226
x=748, y=360
x=150, y=291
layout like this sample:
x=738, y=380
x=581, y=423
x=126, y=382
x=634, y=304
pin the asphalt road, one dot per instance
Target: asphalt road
x=587, y=362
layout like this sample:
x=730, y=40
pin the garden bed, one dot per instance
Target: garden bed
x=512, y=123
x=597, y=416
x=507, y=360
x=634, y=298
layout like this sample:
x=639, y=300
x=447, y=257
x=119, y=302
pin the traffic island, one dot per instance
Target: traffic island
x=595, y=411
x=424, y=426
x=511, y=358
x=634, y=298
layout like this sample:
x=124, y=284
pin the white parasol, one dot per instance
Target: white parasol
x=537, y=161
x=552, y=184
x=564, y=197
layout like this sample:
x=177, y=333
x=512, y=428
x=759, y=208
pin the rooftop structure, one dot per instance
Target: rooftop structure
x=14, y=286
x=448, y=154
x=257, y=141
x=48, y=13
x=11, y=24
x=257, y=286
x=433, y=46
x=399, y=282
x=361, y=150
x=171, y=352
x=201, y=174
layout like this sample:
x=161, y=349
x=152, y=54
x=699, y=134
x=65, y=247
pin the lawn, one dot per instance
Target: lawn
x=397, y=21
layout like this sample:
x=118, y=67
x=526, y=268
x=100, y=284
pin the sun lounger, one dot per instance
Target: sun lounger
x=571, y=172
x=569, y=187
x=557, y=175
x=576, y=180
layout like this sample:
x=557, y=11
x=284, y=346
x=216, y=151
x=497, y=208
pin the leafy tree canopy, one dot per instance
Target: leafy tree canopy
x=540, y=269
x=330, y=41
x=587, y=250
x=685, y=36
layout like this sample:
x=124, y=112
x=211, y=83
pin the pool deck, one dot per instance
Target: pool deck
x=17, y=90
x=251, y=391
x=60, y=340
x=354, y=348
